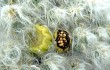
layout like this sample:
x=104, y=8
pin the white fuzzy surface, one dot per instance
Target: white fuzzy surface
x=87, y=21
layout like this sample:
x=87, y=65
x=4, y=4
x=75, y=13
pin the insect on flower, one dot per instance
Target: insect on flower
x=63, y=41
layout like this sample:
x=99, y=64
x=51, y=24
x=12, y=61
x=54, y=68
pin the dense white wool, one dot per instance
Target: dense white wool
x=103, y=51
x=87, y=20
x=13, y=14
x=54, y=61
x=57, y=16
x=14, y=67
x=11, y=53
x=9, y=13
x=29, y=67
x=84, y=42
x=84, y=36
x=103, y=34
x=77, y=64
x=102, y=55
x=108, y=29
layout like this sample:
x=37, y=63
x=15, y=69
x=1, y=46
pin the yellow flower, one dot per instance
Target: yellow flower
x=42, y=41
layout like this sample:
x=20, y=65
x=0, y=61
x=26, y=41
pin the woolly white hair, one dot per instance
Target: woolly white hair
x=55, y=62
x=87, y=21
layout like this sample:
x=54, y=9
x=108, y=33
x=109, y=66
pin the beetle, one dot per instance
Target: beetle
x=63, y=41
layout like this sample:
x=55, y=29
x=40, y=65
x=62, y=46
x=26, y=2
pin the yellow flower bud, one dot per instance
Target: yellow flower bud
x=42, y=41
